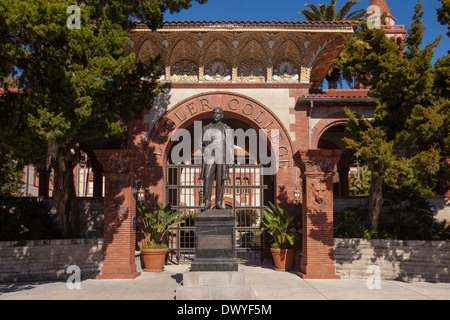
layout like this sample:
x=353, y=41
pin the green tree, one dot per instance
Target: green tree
x=11, y=173
x=360, y=183
x=407, y=140
x=75, y=84
x=444, y=14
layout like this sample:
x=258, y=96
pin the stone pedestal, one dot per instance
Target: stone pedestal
x=215, y=241
x=215, y=274
x=215, y=286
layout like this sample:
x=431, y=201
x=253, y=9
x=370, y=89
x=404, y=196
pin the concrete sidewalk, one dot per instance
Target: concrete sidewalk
x=266, y=283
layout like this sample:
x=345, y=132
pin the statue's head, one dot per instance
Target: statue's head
x=217, y=114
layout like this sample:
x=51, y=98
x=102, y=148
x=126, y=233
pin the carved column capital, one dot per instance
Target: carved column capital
x=317, y=161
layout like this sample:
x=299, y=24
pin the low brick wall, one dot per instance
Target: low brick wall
x=398, y=260
x=43, y=260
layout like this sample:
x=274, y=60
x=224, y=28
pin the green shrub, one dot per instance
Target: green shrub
x=360, y=186
x=282, y=225
x=246, y=217
x=26, y=219
x=351, y=224
x=412, y=220
x=402, y=220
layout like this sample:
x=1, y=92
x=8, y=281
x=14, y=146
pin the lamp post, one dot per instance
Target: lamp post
x=140, y=194
x=297, y=195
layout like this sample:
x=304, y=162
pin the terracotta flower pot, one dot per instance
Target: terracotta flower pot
x=154, y=259
x=284, y=259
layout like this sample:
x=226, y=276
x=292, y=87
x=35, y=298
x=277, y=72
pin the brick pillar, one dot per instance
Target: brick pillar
x=317, y=170
x=119, y=167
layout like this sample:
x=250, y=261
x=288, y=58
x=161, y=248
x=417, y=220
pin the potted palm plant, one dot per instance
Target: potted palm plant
x=282, y=225
x=156, y=221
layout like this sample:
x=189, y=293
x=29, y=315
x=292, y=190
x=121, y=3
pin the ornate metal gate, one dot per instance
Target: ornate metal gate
x=245, y=194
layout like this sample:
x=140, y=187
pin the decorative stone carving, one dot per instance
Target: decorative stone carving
x=286, y=71
x=218, y=50
x=252, y=70
x=184, y=70
x=217, y=70
x=317, y=161
x=305, y=74
x=319, y=190
x=270, y=44
x=147, y=51
x=184, y=50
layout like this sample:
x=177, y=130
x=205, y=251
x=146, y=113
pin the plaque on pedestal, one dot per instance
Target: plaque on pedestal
x=215, y=241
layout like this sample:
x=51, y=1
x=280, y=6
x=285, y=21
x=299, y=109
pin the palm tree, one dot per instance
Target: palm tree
x=326, y=12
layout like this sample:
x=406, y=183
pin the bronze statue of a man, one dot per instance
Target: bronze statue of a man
x=218, y=157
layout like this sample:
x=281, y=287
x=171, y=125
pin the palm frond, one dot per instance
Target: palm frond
x=324, y=12
x=357, y=15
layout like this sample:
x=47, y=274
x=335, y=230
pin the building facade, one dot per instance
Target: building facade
x=266, y=78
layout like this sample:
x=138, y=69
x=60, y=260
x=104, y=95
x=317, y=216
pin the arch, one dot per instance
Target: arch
x=199, y=107
x=183, y=50
x=320, y=56
x=287, y=51
x=332, y=120
x=217, y=50
x=147, y=51
x=253, y=50
x=341, y=179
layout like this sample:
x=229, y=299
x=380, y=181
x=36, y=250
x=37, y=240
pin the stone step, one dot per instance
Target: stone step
x=216, y=285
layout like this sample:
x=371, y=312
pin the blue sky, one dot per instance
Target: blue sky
x=287, y=10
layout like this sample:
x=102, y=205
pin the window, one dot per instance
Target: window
x=245, y=183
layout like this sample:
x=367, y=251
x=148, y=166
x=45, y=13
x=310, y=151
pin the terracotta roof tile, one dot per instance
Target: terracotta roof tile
x=352, y=23
x=339, y=93
x=382, y=4
x=336, y=95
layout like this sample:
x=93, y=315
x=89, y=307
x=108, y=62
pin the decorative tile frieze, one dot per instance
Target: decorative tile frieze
x=252, y=53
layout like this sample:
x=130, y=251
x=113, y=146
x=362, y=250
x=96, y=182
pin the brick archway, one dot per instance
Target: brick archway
x=334, y=119
x=199, y=107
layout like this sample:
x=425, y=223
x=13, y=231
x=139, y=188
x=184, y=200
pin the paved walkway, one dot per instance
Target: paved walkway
x=266, y=283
